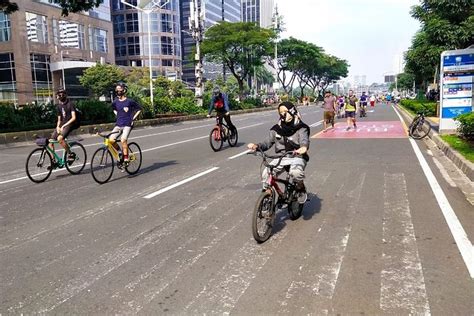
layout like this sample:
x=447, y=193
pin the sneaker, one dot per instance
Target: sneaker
x=302, y=197
x=71, y=157
x=355, y=126
x=348, y=128
x=53, y=166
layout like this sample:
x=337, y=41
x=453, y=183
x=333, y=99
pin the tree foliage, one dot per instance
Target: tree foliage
x=308, y=64
x=445, y=25
x=102, y=78
x=68, y=6
x=240, y=46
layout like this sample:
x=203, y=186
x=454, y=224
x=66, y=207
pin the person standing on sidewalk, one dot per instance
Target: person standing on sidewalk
x=350, y=108
x=329, y=107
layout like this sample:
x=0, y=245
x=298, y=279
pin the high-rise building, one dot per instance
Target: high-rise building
x=259, y=11
x=215, y=11
x=41, y=50
x=131, y=40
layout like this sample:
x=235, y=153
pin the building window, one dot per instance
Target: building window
x=155, y=45
x=166, y=23
x=166, y=45
x=118, y=5
x=119, y=24
x=4, y=27
x=55, y=32
x=98, y=39
x=71, y=34
x=120, y=47
x=167, y=62
x=132, y=23
x=133, y=46
x=36, y=28
x=41, y=77
x=7, y=77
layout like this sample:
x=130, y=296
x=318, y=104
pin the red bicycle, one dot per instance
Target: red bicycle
x=273, y=198
x=222, y=133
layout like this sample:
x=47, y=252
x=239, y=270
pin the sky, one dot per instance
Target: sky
x=370, y=34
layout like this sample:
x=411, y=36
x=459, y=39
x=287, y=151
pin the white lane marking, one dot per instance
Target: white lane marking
x=429, y=152
x=177, y=143
x=193, y=139
x=42, y=173
x=177, y=184
x=144, y=150
x=318, y=282
x=238, y=155
x=221, y=293
x=444, y=173
x=316, y=124
x=402, y=282
x=460, y=237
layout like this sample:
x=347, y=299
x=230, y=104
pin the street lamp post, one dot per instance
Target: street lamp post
x=197, y=12
x=62, y=69
x=148, y=13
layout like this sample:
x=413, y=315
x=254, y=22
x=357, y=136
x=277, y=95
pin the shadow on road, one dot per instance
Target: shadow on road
x=313, y=206
x=153, y=167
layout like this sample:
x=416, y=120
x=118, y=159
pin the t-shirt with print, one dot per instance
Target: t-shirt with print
x=65, y=111
x=329, y=103
x=351, y=103
x=125, y=110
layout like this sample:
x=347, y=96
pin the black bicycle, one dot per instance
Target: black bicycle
x=43, y=160
x=222, y=133
x=363, y=110
x=419, y=127
x=273, y=198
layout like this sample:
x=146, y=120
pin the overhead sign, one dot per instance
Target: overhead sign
x=457, y=81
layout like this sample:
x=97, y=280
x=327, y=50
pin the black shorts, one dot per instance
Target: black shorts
x=350, y=113
x=66, y=131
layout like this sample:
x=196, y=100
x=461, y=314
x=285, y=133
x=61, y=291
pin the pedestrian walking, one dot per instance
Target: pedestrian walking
x=329, y=107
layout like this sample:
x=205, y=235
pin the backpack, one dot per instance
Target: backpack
x=77, y=122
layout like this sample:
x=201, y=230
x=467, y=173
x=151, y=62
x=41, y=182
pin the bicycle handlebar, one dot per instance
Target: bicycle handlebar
x=289, y=154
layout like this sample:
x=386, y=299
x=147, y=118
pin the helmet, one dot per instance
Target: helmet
x=216, y=90
x=61, y=90
x=122, y=85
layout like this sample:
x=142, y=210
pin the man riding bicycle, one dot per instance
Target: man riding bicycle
x=290, y=134
x=220, y=103
x=66, y=122
x=126, y=111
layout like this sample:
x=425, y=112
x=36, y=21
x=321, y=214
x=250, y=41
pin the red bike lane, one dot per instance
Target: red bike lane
x=369, y=129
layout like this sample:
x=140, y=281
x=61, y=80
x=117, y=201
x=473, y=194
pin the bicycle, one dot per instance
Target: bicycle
x=221, y=133
x=363, y=110
x=42, y=161
x=419, y=127
x=273, y=197
x=104, y=159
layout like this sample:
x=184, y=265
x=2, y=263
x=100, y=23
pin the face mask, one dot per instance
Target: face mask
x=286, y=117
x=62, y=97
x=120, y=93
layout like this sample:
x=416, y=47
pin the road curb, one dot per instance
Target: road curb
x=462, y=163
x=16, y=138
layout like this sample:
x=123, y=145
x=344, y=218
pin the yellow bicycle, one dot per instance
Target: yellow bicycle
x=104, y=160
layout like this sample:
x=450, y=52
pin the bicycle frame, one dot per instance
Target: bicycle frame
x=61, y=162
x=110, y=147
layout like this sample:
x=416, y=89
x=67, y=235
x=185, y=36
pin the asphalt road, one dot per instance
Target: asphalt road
x=373, y=239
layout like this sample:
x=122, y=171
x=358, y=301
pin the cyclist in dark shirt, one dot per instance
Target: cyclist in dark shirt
x=220, y=103
x=126, y=110
x=66, y=121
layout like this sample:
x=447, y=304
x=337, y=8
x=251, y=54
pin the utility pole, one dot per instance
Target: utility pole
x=196, y=27
x=277, y=29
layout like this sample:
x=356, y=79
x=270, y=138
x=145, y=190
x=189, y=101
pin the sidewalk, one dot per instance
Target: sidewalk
x=462, y=163
x=27, y=137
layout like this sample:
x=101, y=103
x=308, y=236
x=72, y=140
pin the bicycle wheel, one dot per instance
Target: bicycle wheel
x=215, y=139
x=419, y=128
x=295, y=209
x=80, y=158
x=263, y=217
x=233, y=137
x=135, y=157
x=39, y=165
x=102, y=165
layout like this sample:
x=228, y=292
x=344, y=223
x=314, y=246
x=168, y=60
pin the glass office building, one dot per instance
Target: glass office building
x=215, y=11
x=49, y=50
x=259, y=11
x=131, y=42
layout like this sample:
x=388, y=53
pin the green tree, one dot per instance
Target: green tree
x=139, y=76
x=102, y=78
x=240, y=46
x=67, y=6
x=445, y=25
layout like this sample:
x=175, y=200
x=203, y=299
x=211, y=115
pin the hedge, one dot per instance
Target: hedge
x=418, y=106
x=466, y=127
